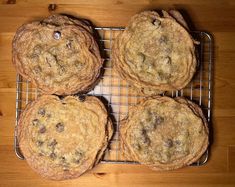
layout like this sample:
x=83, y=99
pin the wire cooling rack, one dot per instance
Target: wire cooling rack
x=118, y=96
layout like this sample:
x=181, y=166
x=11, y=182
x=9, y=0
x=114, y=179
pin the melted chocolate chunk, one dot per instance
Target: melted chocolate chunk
x=141, y=56
x=79, y=65
x=156, y=22
x=163, y=75
x=163, y=39
x=48, y=115
x=78, y=156
x=146, y=140
x=42, y=130
x=69, y=44
x=53, y=156
x=153, y=122
x=63, y=161
x=79, y=153
x=143, y=138
x=61, y=70
x=40, y=154
x=37, y=50
x=159, y=120
x=177, y=142
x=42, y=111
x=82, y=98
x=37, y=69
x=53, y=143
x=167, y=60
x=39, y=143
x=77, y=161
x=66, y=169
x=168, y=143
x=59, y=127
x=35, y=122
x=136, y=146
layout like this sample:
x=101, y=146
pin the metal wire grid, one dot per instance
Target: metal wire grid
x=118, y=96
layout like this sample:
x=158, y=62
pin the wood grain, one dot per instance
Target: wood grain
x=217, y=17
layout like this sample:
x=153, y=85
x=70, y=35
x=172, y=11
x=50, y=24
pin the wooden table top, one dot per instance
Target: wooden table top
x=217, y=17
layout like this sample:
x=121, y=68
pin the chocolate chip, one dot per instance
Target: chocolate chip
x=66, y=169
x=150, y=127
x=168, y=143
x=82, y=98
x=53, y=143
x=62, y=70
x=163, y=39
x=144, y=132
x=47, y=61
x=77, y=161
x=163, y=76
x=39, y=143
x=59, y=127
x=53, y=156
x=167, y=60
x=69, y=44
x=78, y=153
x=79, y=65
x=141, y=56
x=177, y=142
x=57, y=35
x=48, y=115
x=144, y=137
x=42, y=130
x=37, y=50
x=63, y=160
x=156, y=22
x=168, y=50
x=35, y=122
x=37, y=69
x=42, y=111
x=146, y=140
x=78, y=156
x=159, y=120
x=33, y=58
x=136, y=146
x=61, y=97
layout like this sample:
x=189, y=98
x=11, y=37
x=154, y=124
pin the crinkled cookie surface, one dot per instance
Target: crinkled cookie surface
x=62, y=139
x=155, y=53
x=58, y=54
x=165, y=133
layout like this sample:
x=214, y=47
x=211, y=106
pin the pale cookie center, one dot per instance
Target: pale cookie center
x=49, y=145
x=147, y=139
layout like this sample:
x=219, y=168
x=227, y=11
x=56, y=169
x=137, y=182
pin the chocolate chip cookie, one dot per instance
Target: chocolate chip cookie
x=165, y=133
x=155, y=53
x=58, y=54
x=62, y=139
